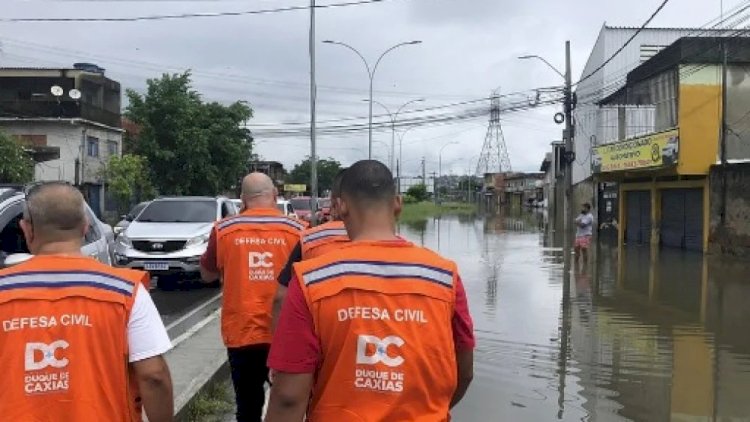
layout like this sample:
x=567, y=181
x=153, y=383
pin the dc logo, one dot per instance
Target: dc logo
x=46, y=353
x=261, y=260
x=381, y=350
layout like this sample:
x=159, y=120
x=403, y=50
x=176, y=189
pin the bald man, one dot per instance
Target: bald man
x=247, y=252
x=77, y=333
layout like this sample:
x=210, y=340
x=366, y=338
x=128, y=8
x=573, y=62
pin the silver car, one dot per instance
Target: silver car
x=169, y=236
x=130, y=216
x=97, y=243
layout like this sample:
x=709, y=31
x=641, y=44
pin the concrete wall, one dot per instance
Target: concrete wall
x=583, y=193
x=732, y=236
x=68, y=137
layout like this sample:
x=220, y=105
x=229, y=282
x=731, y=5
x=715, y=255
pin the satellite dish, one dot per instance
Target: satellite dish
x=57, y=91
x=75, y=94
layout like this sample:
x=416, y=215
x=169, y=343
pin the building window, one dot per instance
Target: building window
x=112, y=148
x=92, y=146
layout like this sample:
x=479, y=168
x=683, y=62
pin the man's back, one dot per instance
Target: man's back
x=252, y=248
x=324, y=238
x=63, y=343
x=383, y=313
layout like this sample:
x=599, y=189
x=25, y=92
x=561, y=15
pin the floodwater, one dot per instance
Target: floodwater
x=646, y=336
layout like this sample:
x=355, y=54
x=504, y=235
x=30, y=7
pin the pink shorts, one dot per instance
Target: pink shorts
x=583, y=242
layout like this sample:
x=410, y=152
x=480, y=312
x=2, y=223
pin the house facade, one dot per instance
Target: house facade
x=671, y=132
x=73, y=113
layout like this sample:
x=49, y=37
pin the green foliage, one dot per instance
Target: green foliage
x=327, y=170
x=408, y=199
x=16, y=165
x=192, y=147
x=418, y=192
x=128, y=180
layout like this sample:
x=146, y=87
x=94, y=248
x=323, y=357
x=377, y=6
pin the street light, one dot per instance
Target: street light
x=440, y=169
x=400, y=163
x=394, y=118
x=544, y=61
x=371, y=75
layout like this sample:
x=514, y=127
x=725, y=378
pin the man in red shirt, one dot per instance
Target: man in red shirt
x=360, y=294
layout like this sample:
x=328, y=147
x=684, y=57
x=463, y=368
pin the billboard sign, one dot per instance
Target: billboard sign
x=652, y=151
x=295, y=188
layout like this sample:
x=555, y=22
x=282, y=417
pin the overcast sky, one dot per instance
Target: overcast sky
x=469, y=48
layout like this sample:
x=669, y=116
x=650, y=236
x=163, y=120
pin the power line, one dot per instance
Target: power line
x=193, y=15
x=616, y=53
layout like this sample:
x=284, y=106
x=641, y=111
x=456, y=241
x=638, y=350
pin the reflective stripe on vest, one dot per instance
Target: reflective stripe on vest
x=380, y=269
x=324, y=234
x=61, y=279
x=259, y=220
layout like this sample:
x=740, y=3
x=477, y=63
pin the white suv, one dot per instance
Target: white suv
x=169, y=236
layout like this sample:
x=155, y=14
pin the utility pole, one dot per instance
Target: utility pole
x=434, y=188
x=568, y=135
x=313, y=94
x=424, y=174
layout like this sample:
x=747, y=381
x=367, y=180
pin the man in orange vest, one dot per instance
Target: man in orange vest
x=378, y=330
x=248, y=251
x=314, y=242
x=74, y=330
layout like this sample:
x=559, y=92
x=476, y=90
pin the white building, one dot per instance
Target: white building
x=83, y=128
x=407, y=182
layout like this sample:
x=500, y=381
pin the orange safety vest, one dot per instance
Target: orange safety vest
x=63, y=340
x=382, y=312
x=252, y=249
x=323, y=239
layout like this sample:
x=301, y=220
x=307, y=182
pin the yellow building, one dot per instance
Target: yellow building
x=666, y=125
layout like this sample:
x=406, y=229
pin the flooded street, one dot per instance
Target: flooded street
x=646, y=336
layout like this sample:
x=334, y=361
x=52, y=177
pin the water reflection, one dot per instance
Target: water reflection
x=642, y=335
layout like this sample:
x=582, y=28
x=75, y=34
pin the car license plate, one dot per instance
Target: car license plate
x=156, y=266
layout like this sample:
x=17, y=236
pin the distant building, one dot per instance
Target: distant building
x=407, y=182
x=274, y=170
x=73, y=114
x=524, y=189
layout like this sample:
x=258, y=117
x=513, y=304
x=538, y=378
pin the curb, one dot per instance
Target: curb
x=222, y=374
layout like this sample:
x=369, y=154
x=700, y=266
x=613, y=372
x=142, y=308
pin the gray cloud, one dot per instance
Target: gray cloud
x=469, y=48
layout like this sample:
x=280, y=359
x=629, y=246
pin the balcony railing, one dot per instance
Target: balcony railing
x=62, y=109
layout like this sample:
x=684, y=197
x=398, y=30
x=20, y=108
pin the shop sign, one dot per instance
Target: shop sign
x=657, y=150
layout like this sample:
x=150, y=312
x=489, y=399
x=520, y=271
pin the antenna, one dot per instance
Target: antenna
x=75, y=94
x=57, y=91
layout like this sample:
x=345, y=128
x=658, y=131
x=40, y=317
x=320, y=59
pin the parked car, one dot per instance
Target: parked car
x=98, y=242
x=169, y=236
x=130, y=216
x=286, y=207
x=303, y=207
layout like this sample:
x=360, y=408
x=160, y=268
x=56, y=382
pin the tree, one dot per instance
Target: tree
x=16, y=165
x=128, y=180
x=191, y=147
x=327, y=170
x=418, y=192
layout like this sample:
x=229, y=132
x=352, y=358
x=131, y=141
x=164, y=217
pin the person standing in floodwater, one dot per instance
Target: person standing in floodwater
x=584, y=233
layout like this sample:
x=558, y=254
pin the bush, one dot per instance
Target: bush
x=408, y=199
x=418, y=192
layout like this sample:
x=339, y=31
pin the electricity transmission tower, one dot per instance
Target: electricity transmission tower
x=494, y=157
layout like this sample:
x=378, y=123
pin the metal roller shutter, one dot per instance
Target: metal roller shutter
x=682, y=219
x=638, y=224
